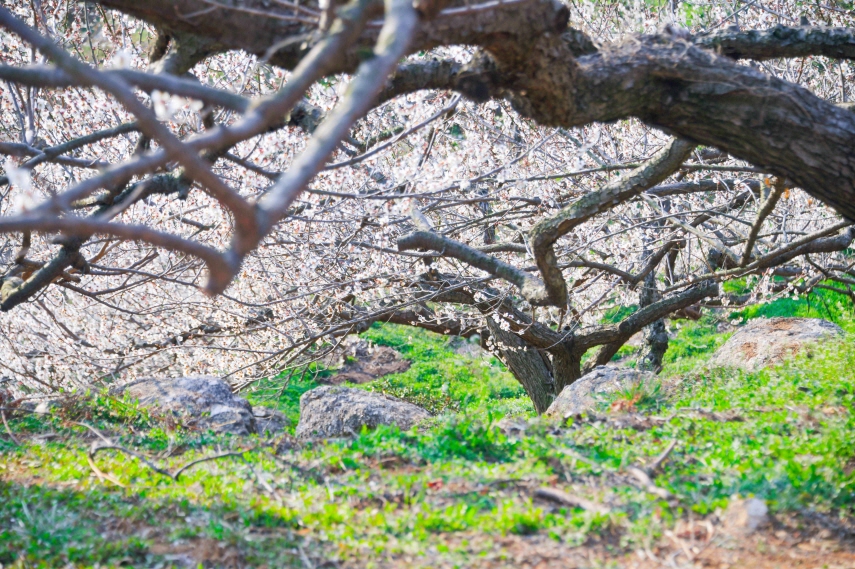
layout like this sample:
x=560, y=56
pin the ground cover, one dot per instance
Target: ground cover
x=471, y=488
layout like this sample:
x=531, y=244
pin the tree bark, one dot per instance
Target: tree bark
x=566, y=367
x=655, y=342
x=526, y=363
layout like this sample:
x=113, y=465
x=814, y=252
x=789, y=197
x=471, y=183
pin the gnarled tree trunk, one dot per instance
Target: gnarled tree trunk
x=655, y=336
x=526, y=363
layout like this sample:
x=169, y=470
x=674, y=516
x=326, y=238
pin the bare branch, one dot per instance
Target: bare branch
x=781, y=41
x=543, y=235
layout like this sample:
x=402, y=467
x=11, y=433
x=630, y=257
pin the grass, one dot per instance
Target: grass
x=438, y=379
x=445, y=492
x=820, y=303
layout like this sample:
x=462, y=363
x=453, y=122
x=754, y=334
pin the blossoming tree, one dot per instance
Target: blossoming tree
x=231, y=187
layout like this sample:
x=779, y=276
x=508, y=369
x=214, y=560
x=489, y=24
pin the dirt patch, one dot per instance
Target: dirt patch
x=199, y=552
x=749, y=350
x=781, y=324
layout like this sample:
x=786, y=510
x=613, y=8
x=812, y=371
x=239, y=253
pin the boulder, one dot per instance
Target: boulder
x=365, y=362
x=269, y=420
x=584, y=394
x=744, y=516
x=335, y=411
x=766, y=342
x=204, y=402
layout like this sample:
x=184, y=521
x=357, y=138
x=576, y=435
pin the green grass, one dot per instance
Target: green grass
x=438, y=379
x=820, y=303
x=693, y=343
x=445, y=491
x=443, y=381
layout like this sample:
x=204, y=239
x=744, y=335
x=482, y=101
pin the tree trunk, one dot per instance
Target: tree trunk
x=655, y=342
x=566, y=367
x=654, y=347
x=526, y=363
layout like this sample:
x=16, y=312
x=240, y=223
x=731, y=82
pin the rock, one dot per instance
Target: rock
x=766, y=342
x=269, y=420
x=335, y=411
x=582, y=395
x=41, y=407
x=513, y=426
x=743, y=517
x=366, y=362
x=206, y=401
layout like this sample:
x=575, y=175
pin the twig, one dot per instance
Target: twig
x=648, y=484
x=101, y=474
x=644, y=475
x=193, y=463
x=96, y=448
x=110, y=445
x=562, y=497
x=762, y=214
x=8, y=430
x=661, y=458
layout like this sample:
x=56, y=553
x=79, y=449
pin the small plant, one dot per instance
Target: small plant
x=640, y=396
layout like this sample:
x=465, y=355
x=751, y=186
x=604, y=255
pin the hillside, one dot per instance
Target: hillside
x=482, y=484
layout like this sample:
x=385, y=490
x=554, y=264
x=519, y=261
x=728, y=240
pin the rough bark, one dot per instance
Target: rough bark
x=526, y=363
x=655, y=341
x=566, y=366
x=711, y=100
x=781, y=41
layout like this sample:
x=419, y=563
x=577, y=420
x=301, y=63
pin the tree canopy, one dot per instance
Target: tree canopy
x=232, y=186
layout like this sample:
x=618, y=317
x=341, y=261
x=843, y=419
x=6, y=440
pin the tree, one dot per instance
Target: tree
x=520, y=215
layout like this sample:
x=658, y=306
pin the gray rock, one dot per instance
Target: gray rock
x=202, y=401
x=269, y=420
x=366, y=362
x=513, y=426
x=334, y=411
x=766, y=342
x=744, y=517
x=584, y=394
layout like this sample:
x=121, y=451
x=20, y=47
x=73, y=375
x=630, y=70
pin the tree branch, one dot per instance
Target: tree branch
x=781, y=41
x=613, y=337
x=545, y=233
x=531, y=288
x=767, y=207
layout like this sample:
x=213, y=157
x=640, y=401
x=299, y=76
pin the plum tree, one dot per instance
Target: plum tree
x=230, y=187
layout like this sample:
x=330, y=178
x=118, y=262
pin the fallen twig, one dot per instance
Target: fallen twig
x=648, y=484
x=101, y=474
x=96, y=448
x=8, y=430
x=107, y=444
x=661, y=458
x=562, y=497
x=193, y=463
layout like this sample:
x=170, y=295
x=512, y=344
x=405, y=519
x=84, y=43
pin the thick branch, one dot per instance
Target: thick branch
x=530, y=287
x=392, y=44
x=195, y=165
x=543, y=235
x=781, y=41
x=611, y=338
